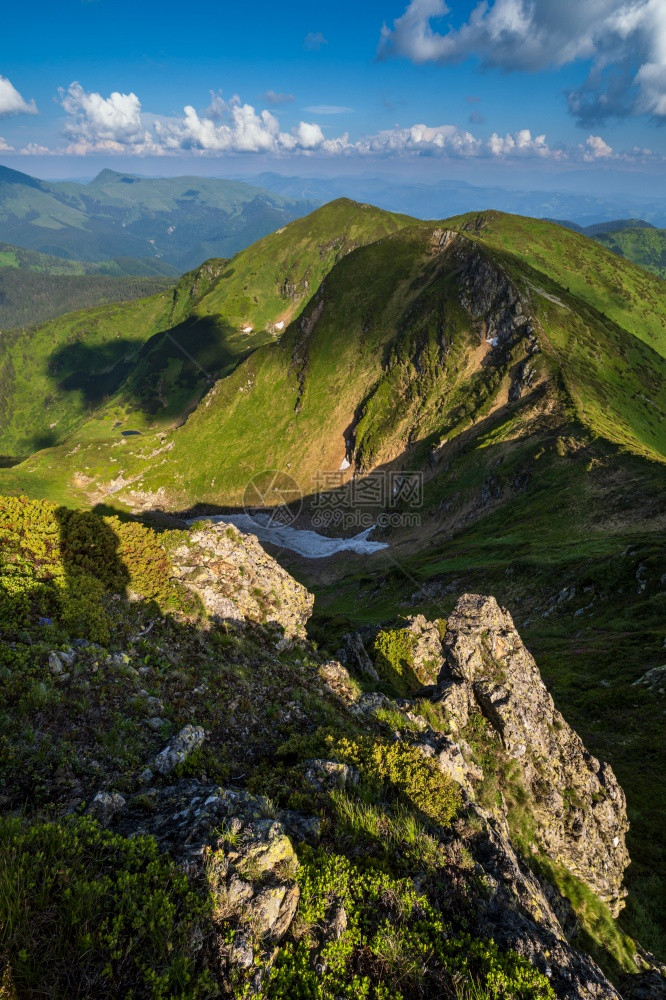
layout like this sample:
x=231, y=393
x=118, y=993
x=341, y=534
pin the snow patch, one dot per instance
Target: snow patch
x=306, y=543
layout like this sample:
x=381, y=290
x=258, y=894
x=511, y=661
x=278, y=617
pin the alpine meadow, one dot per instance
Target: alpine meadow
x=333, y=502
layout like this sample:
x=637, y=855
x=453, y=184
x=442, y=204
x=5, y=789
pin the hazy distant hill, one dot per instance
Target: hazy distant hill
x=180, y=221
x=442, y=198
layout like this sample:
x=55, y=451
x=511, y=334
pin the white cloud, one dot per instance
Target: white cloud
x=95, y=120
x=328, y=109
x=521, y=143
x=595, y=149
x=625, y=40
x=118, y=124
x=314, y=40
x=4, y=146
x=275, y=98
x=11, y=102
x=34, y=149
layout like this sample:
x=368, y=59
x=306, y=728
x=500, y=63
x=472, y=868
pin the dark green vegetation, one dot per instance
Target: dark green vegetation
x=175, y=221
x=542, y=454
x=637, y=241
x=644, y=246
x=28, y=298
x=84, y=911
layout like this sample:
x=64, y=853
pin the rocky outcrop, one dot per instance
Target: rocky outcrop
x=579, y=809
x=238, y=581
x=426, y=654
x=242, y=850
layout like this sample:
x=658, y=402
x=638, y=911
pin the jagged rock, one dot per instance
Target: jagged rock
x=246, y=854
x=336, y=678
x=654, y=679
x=105, y=805
x=209, y=563
x=513, y=909
x=649, y=985
x=326, y=774
x=354, y=653
x=454, y=698
x=427, y=655
x=451, y=761
x=179, y=749
x=55, y=664
x=578, y=806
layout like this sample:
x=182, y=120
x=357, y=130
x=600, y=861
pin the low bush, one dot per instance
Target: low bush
x=85, y=912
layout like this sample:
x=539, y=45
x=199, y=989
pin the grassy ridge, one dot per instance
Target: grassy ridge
x=645, y=247
x=112, y=358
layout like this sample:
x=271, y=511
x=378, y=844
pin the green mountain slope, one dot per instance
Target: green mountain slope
x=180, y=221
x=518, y=367
x=150, y=362
x=394, y=349
x=645, y=247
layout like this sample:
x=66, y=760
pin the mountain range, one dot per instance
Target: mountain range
x=511, y=368
x=169, y=223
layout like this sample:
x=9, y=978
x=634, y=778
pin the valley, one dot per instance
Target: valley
x=489, y=390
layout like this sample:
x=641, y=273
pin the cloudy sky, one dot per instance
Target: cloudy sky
x=452, y=87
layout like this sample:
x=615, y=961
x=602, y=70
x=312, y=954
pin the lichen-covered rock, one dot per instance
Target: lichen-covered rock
x=238, y=581
x=245, y=853
x=324, y=775
x=427, y=655
x=178, y=749
x=578, y=807
x=105, y=805
x=511, y=907
x=355, y=654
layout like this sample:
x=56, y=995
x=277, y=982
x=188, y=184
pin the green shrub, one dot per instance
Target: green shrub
x=394, y=659
x=406, y=770
x=395, y=945
x=85, y=912
x=60, y=563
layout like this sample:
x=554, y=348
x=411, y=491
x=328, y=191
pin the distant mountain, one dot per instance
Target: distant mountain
x=646, y=246
x=180, y=221
x=635, y=239
x=450, y=197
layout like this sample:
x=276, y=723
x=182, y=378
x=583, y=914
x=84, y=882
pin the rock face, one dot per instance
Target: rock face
x=579, y=808
x=236, y=580
x=427, y=659
x=230, y=838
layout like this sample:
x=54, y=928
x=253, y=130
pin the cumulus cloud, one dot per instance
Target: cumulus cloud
x=625, y=41
x=97, y=121
x=4, y=146
x=11, y=102
x=314, y=40
x=595, y=149
x=118, y=124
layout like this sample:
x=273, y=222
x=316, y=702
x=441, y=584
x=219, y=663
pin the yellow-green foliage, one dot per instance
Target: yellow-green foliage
x=405, y=769
x=84, y=912
x=140, y=551
x=394, y=659
x=56, y=562
x=395, y=939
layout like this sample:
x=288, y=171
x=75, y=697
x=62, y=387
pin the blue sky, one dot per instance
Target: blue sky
x=522, y=88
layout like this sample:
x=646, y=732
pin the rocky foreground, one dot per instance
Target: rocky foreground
x=402, y=820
